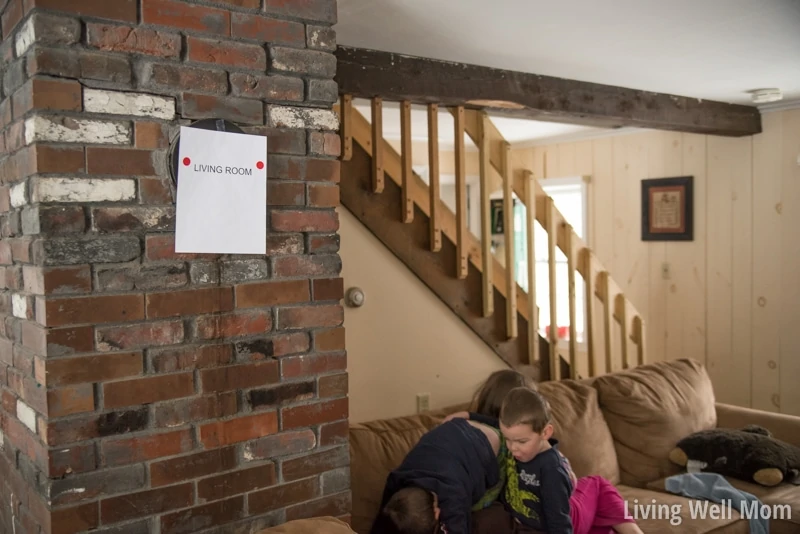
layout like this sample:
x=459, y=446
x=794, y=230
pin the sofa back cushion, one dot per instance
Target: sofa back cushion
x=583, y=435
x=376, y=448
x=649, y=409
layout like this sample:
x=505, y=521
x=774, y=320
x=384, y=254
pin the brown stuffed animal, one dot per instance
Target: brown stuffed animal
x=747, y=454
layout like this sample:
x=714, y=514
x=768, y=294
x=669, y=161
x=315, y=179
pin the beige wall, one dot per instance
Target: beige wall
x=404, y=340
x=732, y=298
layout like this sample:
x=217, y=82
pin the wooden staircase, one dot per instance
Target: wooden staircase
x=380, y=188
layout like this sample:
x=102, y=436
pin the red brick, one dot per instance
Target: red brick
x=275, y=346
x=151, y=135
x=228, y=53
x=179, y=77
x=323, y=195
x=239, y=376
x=184, y=16
x=186, y=411
x=282, y=496
x=310, y=317
x=154, y=191
x=11, y=17
x=314, y=464
x=221, y=433
x=61, y=220
x=45, y=94
x=6, y=257
x=242, y=481
x=190, y=358
x=76, y=519
x=92, y=485
x=200, y=517
x=66, y=431
x=324, y=144
x=286, y=393
x=328, y=288
x=27, y=443
x=21, y=249
x=314, y=414
x=265, y=294
x=305, y=221
x=9, y=403
x=162, y=247
x=58, y=280
x=283, y=444
x=306, y=365
x=157, y=501
x=119, y=161
x=316, y=265
x=142, y=449
x=140, y=335
x=280, y=244
x=98, y=368
x=234, y=324
x=99, y=309
x=192, y=466
x=332, y=386
x=334, y=505
x=272, y=87
x=314, y=10
x=286, y=194
x=133, y=40
x=247, y=4
x=189, y=302
x=261, y=28
x=72, y=460
x=123, y=10
x=70, y=400
x=245, y=111
x=63, y=341
x=147, y=390
x=323, y=170
x=281, y=140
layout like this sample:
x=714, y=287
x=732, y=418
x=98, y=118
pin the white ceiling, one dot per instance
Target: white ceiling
x=708, y=49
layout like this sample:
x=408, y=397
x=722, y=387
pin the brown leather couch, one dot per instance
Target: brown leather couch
x=622, y=426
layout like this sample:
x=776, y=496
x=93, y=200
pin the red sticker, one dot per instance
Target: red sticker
x=260, y=165
x=186, y=161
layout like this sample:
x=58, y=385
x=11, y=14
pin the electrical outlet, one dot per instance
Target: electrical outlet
x=665, y=273
x=423, y=402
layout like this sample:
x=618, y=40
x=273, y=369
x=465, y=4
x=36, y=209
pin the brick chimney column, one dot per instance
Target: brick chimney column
x=142, y=390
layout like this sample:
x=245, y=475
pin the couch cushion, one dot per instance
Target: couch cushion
x=581, y=429
x=783, y=502
x=668, y=513
x=316, y=525
x=649, y=409
x=376, y=448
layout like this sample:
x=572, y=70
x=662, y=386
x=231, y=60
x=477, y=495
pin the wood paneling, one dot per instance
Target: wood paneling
x=732, y=296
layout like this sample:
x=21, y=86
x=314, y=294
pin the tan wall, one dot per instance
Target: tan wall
x=404, y=340
x=733, y=295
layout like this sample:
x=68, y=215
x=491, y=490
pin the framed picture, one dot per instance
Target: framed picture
x=668, y=209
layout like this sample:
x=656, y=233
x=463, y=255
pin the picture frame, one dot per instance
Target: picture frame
x=668, y=209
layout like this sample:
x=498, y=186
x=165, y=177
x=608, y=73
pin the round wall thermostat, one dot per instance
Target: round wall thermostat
x=355, y=297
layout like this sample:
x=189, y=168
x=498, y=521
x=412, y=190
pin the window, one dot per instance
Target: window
x=570, y=197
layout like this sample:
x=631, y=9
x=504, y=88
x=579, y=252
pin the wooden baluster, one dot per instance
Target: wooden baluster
x=623, y=327
x=346, y=130
x=377, y=144
x=461, y=196
x=530, y=232
x=407, y=170
x=555, y=364
x=570, y=253
x=487, y=258
x=508, y=229
x=589, y=326
x=607, y=318
x=433, y=186
x=638, y=328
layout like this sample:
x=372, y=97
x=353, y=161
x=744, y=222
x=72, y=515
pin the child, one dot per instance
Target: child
x=438, y=482
x=539, y=492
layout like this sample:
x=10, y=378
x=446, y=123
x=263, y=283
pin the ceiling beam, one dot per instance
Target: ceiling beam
x=367, y=73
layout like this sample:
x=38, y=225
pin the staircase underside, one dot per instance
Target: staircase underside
x=410, y=242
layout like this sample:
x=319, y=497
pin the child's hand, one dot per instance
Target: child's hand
x=462, y=415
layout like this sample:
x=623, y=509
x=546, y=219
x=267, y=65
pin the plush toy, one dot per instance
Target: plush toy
x=747, y=454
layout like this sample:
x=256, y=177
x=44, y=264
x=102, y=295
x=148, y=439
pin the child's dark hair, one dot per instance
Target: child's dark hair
x=490, y=395
x=411, y=510
x=524, y=406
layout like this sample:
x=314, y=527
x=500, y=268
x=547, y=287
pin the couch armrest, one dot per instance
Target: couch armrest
x=783, y=427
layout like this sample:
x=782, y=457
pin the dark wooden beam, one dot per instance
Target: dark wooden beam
x=368, y=73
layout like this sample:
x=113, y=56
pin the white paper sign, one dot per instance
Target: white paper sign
x=221, y=204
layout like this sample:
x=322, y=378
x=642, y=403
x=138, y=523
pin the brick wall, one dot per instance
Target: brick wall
x=143, y=390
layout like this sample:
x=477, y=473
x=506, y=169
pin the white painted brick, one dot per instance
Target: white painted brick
x=2, y=440
x=69, y=130
x=26, y=36
x=83, y=190
x=26, y=415
x=297, y=117
x=138, y=104
x=19, y=305
x=18, y=194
